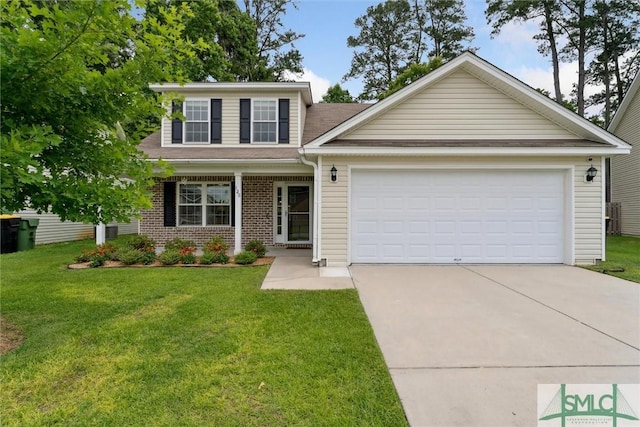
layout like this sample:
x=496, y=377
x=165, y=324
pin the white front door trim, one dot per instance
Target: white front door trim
x=282, y=238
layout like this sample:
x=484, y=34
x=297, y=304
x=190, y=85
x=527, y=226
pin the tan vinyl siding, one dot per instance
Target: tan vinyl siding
x=587, y=229
x=625, y=169
x=588, y=213
x=231, y=115
x=462, y=107
x=52, y=230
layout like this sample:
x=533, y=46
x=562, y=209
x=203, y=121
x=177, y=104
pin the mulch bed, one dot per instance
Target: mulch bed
x=268, y=260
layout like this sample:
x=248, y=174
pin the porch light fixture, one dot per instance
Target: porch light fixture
x=334, y=173
x=591, y=173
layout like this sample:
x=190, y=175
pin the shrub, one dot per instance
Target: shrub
x=170, y=257
x=245, y=257
x=220, y=258
x=129, y=256
x=85, y=256
x=256, y=246
x=187, y=255
x=141, y=241
x=207, y=258
x=99, y=255
x=216, y=245
x=148, y=255
x=178, y=243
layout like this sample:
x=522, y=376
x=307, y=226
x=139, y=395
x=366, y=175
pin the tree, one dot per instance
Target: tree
x=501, y=12
x=229, y=34
x=413, y=73
x=336, y=95
x=383, y=47
x=576, y=24
x=75, y=104
x=272, y=60
x=615, y=32
x=444, y=26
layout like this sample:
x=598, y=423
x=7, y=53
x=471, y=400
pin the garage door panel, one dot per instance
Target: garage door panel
x=457, y=216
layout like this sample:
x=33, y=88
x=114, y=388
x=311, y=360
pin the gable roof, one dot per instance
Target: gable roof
x=494, y=77
x=626, y=101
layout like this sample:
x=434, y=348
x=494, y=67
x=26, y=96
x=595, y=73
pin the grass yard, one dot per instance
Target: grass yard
x=623, y=252
x=183, y=346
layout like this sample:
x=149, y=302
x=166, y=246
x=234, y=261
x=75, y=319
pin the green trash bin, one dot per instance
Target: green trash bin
x=27, y=233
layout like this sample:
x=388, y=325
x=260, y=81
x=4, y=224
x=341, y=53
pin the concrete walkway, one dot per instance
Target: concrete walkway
x=292, y=269
x=468, y=345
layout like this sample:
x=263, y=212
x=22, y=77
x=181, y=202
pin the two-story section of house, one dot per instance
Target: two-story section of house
x=465, y=165
x=237, y=169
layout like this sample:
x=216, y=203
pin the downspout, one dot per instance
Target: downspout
x=316, y=205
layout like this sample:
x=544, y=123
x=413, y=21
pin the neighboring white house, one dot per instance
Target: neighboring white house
x=51, y=229
x=625, y=170
x=465, y=165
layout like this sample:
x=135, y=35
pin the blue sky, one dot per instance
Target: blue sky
x=328, y=23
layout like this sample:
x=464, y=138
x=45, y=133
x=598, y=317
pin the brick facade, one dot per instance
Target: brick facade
x=257, y=211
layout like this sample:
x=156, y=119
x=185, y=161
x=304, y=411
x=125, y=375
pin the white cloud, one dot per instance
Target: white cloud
x=519, y=35
x=319, y=85
x=543, y=78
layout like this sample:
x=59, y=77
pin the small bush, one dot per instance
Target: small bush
x=214, y=258
x=245, y=257
x=170, y=257
x=178, y=243
x=129, y=256
x=141, y=241
x=256, y=246
x=85, y=256
x=148, y=256
x=220, y=258
x=216, y=245
x=207, y=258
x=99, y=255
x=187, y=255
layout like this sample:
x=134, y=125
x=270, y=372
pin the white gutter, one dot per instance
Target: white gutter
x=316, y=204
x=471, y=151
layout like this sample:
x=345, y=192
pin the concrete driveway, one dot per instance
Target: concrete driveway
x=468, y=345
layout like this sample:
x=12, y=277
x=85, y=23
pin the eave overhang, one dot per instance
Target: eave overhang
x=463, y=151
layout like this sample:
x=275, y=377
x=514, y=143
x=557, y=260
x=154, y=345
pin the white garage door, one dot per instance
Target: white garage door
x=457, y=216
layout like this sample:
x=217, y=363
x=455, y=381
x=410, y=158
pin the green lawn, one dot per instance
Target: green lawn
x=184, y=346
x=622, y=253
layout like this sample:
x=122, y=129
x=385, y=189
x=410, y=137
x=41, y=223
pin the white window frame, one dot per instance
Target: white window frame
x=208, y=121
x=203, y=204
x=253, y=121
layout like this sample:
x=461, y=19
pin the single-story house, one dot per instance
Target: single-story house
x=51, y=229
x=466, y=165
x=625, y=170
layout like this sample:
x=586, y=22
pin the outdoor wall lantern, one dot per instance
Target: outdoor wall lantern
x=591, y=173
x=334, y=173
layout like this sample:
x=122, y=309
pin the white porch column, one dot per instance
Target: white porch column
x=238, y=213
x=101, y=234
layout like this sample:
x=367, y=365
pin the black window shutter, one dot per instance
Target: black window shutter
x=245, y=121
x=176, y=124
x=283, y=121
x=216, y=121
x=169, y=204
x=233, y=204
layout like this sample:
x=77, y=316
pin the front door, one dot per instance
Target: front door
x=292, y=213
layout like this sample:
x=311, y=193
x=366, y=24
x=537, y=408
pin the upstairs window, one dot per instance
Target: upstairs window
x=196, y=129
x=265, y=120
